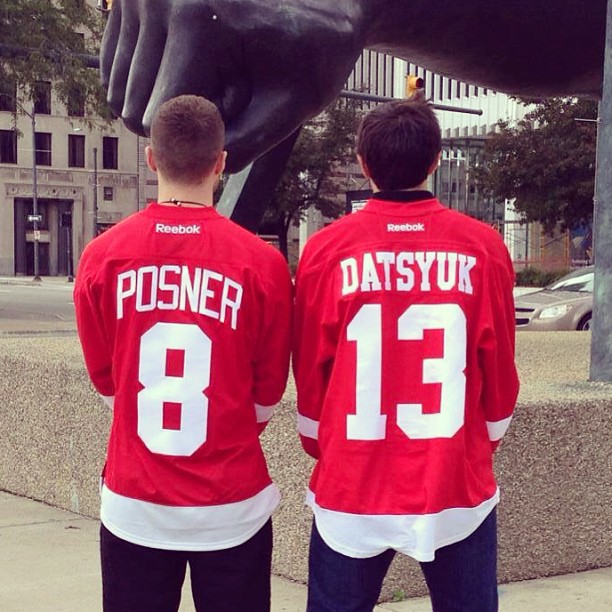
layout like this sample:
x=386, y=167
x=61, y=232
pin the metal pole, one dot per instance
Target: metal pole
x=95, y=193
x=35, y=196
x=358, y=95
x=601, y=339
x=69, y=250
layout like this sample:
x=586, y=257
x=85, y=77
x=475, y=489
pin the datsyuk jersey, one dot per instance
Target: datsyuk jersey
x=184, y=318
x=404, y=365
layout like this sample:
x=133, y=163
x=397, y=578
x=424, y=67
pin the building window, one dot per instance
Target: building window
x=42, y=98
x=8, y=97
x=43, y=148
x=108, y=194
x=110, y=153
x=8, y=147
x=76, y=151
x=76, y=104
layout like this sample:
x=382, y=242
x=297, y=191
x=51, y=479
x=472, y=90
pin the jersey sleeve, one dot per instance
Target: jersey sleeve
x=497, y=353
x=271, y=364
x=313, y=351
x=91, y=328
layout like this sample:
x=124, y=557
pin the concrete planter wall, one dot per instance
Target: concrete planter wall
x=553, y=467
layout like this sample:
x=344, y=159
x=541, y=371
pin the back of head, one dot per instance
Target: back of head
x=187, y=136
x=399, y=142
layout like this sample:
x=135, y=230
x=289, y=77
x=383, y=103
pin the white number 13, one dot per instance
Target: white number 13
x=368, y=423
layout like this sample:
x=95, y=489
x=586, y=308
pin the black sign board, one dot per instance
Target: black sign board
x=356, y=200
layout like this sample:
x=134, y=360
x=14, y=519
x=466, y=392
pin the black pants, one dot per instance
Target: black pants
x=140, y=579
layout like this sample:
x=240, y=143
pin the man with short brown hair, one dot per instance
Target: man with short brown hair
x=184, y=319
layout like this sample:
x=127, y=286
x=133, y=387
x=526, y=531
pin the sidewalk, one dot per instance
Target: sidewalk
x=54, y=281
x=49, y=563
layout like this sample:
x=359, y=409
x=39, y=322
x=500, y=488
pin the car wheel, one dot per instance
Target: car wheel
x=585, y=323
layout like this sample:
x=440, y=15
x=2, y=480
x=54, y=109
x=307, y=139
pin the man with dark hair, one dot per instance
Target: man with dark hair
x=184, y=319
x=406, y=382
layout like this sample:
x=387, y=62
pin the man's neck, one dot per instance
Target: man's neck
x=421, y=187
x=188, y=196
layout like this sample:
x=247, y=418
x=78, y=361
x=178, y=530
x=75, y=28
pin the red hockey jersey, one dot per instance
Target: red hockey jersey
x=404, y=365
x=184, y=318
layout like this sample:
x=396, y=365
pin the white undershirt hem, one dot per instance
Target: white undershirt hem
x=196, y=528
x=417, y=535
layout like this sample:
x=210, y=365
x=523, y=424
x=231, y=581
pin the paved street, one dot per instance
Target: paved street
x=28, y=307
x=36, y=307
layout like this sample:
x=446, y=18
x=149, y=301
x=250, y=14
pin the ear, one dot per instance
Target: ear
x=220, y=163
x=150, y=158
x=362, y=165
x=435, y=164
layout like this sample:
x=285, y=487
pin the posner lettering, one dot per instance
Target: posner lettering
x=405, y=227
x=162, y=228
x=174, y=287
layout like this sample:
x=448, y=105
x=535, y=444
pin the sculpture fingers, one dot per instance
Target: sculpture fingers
x=186, y=67
x=122, y=59
x=109, y=44
x=143, y=73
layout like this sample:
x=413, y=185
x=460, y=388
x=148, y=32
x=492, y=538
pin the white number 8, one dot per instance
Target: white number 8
x=186, y=390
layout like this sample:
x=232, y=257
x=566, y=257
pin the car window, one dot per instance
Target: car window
x=574, y=282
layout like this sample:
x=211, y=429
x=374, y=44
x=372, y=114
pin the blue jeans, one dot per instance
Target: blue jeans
x=462, y=577
x=140, y=579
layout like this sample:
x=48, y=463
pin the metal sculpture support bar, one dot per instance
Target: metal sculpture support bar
x=248, y=193
x=601, y=342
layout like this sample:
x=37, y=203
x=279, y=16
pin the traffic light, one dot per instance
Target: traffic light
x=105, y=5
x=413, y=85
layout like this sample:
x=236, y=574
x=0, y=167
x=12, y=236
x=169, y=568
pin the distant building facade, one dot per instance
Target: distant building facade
x=88, y=178
x=463, y=138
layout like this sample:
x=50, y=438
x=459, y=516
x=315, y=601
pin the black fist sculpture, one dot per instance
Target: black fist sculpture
x=269, y=65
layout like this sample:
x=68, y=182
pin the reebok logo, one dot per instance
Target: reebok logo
x=405, y=227
x=162, y=228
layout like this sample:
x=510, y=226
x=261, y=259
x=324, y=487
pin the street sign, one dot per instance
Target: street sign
x=356, y=200
x=36, y=234
x=34, y=218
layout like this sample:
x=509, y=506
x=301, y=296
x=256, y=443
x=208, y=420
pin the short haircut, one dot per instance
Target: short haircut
x=187, y=136
x=399, y=142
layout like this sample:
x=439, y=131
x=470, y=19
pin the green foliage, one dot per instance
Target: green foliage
x=46, y=41
x=534, y=277
x=546, y=162
x=399, y=595
x=324, y=144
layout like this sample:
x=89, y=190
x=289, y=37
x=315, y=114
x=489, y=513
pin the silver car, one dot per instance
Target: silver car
x=565, y=305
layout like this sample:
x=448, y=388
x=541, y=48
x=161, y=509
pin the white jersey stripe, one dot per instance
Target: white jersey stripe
x=497, y=429
x=264, y=413
x=308, y=427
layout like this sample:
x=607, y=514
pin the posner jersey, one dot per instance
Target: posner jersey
x=184, y=319
x=404, y=365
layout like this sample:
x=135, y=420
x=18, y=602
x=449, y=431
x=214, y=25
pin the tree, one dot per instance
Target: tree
x=546, y=162
x=50, y=41
x=324, y=144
